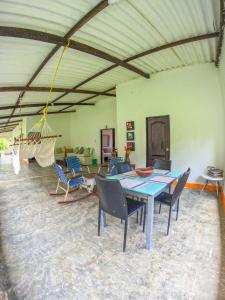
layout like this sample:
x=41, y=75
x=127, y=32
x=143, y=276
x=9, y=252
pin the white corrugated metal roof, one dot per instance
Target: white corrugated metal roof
x=123, y=29
x=55, y=16
x=76, y=66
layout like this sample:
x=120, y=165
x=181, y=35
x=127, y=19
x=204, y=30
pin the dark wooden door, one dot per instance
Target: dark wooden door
x=158, y=138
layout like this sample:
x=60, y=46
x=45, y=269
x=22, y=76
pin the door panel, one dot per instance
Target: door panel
x=158, y=138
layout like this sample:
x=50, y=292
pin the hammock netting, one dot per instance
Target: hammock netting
x=39, y=143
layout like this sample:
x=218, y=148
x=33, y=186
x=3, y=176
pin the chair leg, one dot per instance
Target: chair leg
x=67, y=191
x=160, y=207
x=125, y=235
x=137, y=218
x=99, y=220
x=168, y=226
x=144, y=218
x=141, y=216
x=57, y=186
x=178, y=201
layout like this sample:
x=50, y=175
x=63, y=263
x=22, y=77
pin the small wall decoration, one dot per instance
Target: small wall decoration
x=130, y=136
x=130, y=125
x=131, y=146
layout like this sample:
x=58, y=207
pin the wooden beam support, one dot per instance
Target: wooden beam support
x=82, y=101
x=43, y=104
x=56, y=89
x=8, y=127
x=12, y=122
x=55, y=39
x=7, y=130
x=92, y=13
x=87, y=17
x=147, y=52
x=11, y=126
x=35, y=114
x=175, y=44
x=221, y=32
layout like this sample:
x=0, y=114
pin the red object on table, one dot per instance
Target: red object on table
x=144, y=172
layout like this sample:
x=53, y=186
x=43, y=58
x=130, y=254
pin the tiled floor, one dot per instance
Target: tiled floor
x=50, y=251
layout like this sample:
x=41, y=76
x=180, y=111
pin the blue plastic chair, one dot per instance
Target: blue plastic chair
x=123, y=167
x=112, y=170
x=114, y=161
x=73, y=164
x=69, y=183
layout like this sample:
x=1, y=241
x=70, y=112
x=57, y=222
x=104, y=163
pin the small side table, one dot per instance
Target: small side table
x=212, y=179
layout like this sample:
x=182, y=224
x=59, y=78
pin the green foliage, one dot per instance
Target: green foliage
x=3, y=145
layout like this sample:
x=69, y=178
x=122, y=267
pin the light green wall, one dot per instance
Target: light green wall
x=192, y=98
x=221, y=74
x=87, y=122
x=60, y=123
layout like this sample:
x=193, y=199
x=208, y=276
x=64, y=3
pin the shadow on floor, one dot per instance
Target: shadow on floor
x=6, y=290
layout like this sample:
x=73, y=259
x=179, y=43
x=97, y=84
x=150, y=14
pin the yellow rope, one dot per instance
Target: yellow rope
x=45, y=110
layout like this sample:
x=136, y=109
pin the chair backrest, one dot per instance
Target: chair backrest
x=60, y=174
x=111, y=197
x=162, y=164
x=180, y=186
x=73, y=164
x=123, y=167
x=114, y=161
x=113, y=171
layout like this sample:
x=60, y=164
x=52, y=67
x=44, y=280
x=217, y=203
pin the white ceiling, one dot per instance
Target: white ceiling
x=123, y=29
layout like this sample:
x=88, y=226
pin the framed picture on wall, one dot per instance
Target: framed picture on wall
x=131, y=146
x=130, y=136
x=130, y=125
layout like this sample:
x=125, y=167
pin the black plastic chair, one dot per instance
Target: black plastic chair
x=171, y=199
x=113, y=201
x=123, y=167
x=162, y=164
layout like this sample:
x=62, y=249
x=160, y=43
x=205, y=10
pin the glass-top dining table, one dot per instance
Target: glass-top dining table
x=148, y=188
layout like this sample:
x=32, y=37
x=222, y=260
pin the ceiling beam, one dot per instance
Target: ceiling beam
x=86, y=81
x=29, y=105
x=55, y=39
x=7, y=130
x=12, y=122
x=43, y=104
x=221, y=32
x=56, y=89
x=147, y=52
x=36, y=114
x=11, y=126
x=175, y=44
x=82, y=101
x=87, y=17
x=8, y=127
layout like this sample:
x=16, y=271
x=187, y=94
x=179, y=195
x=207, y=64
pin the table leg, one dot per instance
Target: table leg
x=103, y=218
x=206, y=183
x=149, y=225
x=217, y=188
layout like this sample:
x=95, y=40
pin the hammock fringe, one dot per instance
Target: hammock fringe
x=39, y=143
